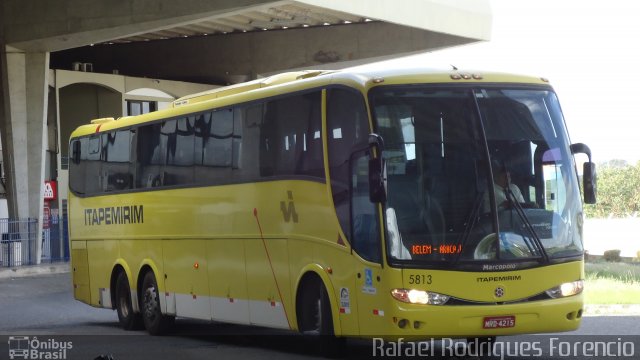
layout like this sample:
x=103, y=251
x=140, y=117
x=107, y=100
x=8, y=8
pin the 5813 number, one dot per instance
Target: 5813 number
x=420, y=279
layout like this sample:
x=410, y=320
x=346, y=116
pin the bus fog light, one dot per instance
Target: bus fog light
x=413, y=296
x=566, y=289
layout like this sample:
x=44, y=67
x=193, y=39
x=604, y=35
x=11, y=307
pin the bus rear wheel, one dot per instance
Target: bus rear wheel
x=128, y=319
x=154, y=321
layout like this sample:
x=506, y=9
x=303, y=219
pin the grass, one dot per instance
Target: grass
x=612, y=283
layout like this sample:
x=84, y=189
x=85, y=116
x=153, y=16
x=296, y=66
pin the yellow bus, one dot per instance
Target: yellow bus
x=397, y=203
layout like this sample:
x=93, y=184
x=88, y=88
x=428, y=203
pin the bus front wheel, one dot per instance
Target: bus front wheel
x=154, y=321
x=316, y=320
x=127, y=318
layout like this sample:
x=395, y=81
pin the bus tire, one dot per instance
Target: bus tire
x=129, y=320
x=154, y=321
x=315, y=319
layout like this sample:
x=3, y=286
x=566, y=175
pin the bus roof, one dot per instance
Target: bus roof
x=247, y=86
x=300, y=80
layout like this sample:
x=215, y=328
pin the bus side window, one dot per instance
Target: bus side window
x=248, y=147
x=365, y=237
x=151, y=156
x=236, y=144
x=77, y=165
x=311, y=161
x=215, y=134
x=180, y=152
x=218, y=148
x=117, y=165
x=290, y=138
x=93, y=165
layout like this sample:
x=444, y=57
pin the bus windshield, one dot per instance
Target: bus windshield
x=477, y=176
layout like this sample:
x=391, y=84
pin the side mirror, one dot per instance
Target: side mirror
x=589, y=178
x=377, y=171
x=589, y=182
x=75, y=151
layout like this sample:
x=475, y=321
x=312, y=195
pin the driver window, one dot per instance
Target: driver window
x=554, y=189
x=347, y=132
x=365, y=238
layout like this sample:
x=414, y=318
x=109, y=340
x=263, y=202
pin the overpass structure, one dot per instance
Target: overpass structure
x=137, y=53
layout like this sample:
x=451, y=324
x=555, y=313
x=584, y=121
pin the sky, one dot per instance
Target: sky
x=590, y=52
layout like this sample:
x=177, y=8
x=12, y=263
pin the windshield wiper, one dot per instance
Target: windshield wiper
x=520, y=211
x=471, y=221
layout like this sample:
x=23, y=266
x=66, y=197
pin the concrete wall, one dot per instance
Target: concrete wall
x=80, y=103
x=84, y=96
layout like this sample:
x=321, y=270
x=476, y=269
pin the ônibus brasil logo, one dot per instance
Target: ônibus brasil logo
x=31, y=348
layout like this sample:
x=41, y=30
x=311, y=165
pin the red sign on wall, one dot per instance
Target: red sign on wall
x=50, y=190
x=46, y=217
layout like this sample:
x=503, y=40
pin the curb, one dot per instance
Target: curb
x=42, y=269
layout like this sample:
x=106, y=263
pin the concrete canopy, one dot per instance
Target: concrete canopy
x=37, y=26
x=221, y=45
x=210, y=41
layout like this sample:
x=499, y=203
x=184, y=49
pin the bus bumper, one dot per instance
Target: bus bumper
x=438, y=321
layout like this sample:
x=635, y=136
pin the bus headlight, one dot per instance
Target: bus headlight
x=413, y=296
x=566, y=289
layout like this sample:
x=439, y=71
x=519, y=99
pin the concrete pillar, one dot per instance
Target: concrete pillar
x=23, y=130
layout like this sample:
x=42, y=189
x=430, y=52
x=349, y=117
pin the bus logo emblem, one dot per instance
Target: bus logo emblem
x=499, y=292
x=289, y=210
x=19, y=347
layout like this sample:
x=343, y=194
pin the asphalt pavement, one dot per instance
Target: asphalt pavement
x=38, y=306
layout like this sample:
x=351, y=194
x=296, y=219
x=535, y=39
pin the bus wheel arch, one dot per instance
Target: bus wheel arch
x=316, y=315
x=314, y=280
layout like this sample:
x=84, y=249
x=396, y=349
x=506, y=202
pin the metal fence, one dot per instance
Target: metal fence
x=18, y=242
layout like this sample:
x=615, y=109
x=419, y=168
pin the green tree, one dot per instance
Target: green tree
x=618, y=191
x=615, y=163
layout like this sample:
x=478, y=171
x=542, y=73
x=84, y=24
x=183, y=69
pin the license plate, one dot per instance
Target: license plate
x=497, y=322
